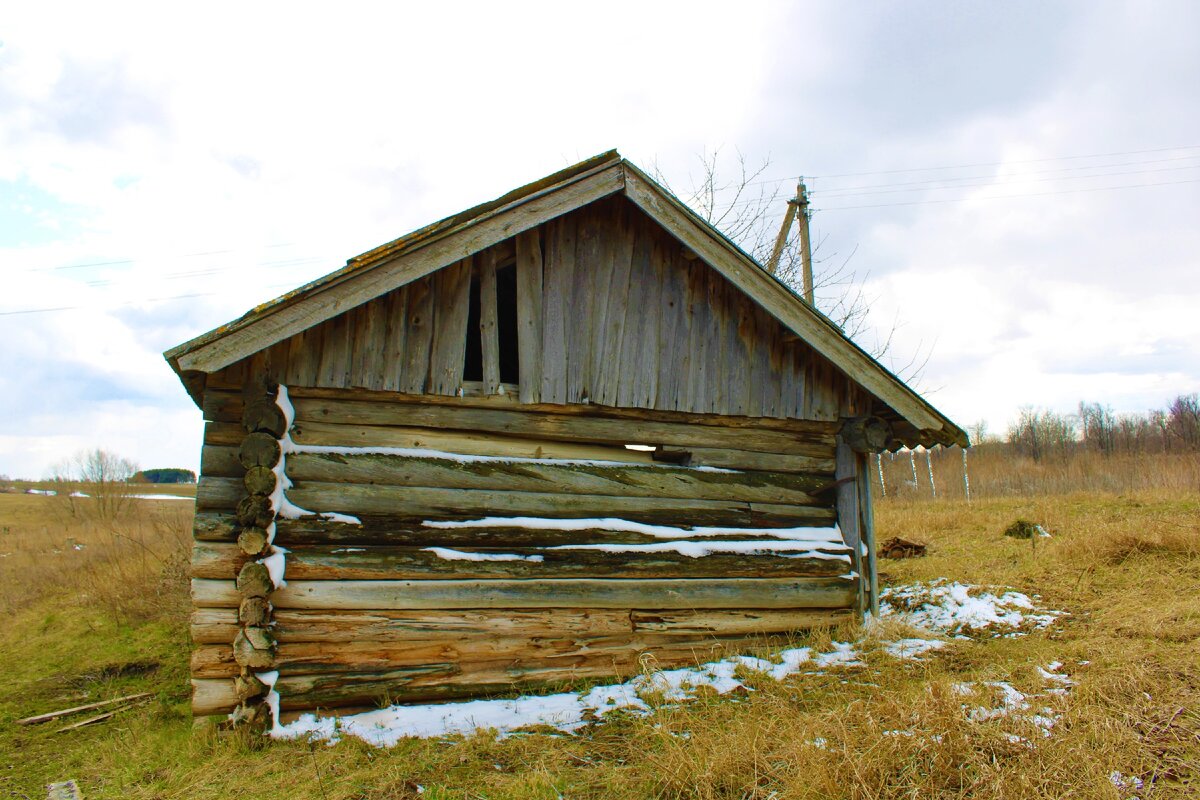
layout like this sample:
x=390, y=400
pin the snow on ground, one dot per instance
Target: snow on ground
x=964, y=612
x=943, y=609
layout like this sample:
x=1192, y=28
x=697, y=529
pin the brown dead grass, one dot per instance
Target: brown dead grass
x=62, y=547
x=1124, y=566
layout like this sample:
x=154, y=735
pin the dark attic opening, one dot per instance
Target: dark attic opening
x=506, y=327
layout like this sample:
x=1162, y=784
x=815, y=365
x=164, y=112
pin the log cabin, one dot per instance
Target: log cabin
x=561, y=435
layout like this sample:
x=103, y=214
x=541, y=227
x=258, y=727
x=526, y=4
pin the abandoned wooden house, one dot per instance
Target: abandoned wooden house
x=544, y=439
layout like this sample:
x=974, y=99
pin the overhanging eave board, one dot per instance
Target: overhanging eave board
x=822, y=335
x=234, y=342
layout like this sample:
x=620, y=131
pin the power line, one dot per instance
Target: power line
x=1013, y=196
x=979, y=164
x=1016, y=175
x=998, y=183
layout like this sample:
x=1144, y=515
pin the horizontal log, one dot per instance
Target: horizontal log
x=474, y=397
x=549, y=593
x=215, y=526
x=218, y=494
x=463, y=442
x=560, y=427
x=749, y=460
x=467, y=654
x=429, y=503
x=220, y=625
x=224, y=434
x=449, y=680
x=220, y=461
x=658, y=480
x=466, y=443
x=337, y=562
x=510, y=401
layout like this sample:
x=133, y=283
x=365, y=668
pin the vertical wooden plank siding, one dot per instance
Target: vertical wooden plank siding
x=395, y=338
x=488, y=333
x=580, y=313
x=420, y=335
x=559, y=266
x=848, y=517
x=871, y=576
x=529, y=315
x=610, y=310
x=452, y=296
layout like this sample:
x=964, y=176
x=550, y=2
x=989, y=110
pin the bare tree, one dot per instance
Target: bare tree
x=102, y=480
x=749, y=211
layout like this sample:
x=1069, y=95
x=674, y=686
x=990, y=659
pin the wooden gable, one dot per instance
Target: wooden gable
x=600, y=305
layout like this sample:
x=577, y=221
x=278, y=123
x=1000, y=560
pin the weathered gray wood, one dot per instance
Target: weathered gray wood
x=579, y=321
x=264, y=416
x=776, y=299
x=419, y=336
x=352, y=287
x=642, y=480
x=866, y=434
x=848, y=514
x=220, y=625
x=432, y=503
x=475, y=654
x=529, y=315
x=329, y=562
x=394, y=531
x=564, y=427
x=253, y=580
x=259, y=450
x=219, y=494
x=334, y=369
x=462, y=442
x=752, y=460
x=259, y=480
x=509, y=402
x=550, y=593
x=870, y=553
x=558, y=269
x=222, y=461
x=489, y=332
x=639, y=347
x=452, y=291
x=395, y=345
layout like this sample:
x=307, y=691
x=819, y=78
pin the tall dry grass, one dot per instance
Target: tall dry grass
x=132, y=564
x=995, y=470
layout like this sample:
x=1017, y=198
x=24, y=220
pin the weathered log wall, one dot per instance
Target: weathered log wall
x=375, y=610
x=611, y=310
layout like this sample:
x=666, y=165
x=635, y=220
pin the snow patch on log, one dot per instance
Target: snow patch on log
x=831, y=535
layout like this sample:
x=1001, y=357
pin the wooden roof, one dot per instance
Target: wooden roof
x=438, y=245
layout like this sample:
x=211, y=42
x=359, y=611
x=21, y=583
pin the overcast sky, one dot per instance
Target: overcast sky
x=1017, y=182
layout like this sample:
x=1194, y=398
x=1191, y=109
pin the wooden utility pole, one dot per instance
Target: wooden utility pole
x=805, y=242
x=798, y=203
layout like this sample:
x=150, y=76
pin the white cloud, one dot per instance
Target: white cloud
x=235, y=161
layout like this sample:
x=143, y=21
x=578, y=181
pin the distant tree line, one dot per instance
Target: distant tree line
x=1041, y=434
x=165, y=475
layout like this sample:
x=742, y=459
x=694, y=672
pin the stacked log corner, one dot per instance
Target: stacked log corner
x=254, y=644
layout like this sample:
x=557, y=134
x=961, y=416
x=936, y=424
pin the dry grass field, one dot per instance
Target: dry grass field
x=97, y=609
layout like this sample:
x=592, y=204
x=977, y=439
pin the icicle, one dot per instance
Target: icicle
x=912, y=462
x=879, y=467
x=929, y=464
